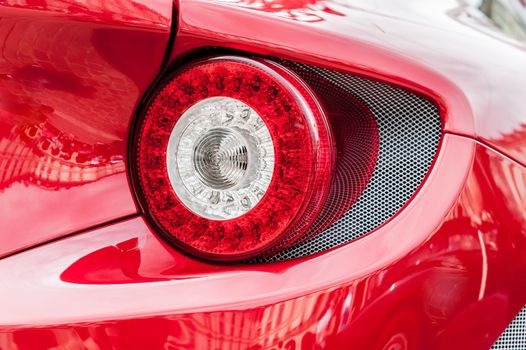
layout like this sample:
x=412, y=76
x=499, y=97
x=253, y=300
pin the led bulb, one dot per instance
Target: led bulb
x=220, y=158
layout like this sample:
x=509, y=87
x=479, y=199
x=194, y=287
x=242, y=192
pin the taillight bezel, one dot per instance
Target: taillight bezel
x=310, y=101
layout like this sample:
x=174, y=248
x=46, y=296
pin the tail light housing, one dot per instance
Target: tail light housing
x=234, y=158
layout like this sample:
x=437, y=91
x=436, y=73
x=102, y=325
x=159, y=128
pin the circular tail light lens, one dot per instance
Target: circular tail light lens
x=234, y=158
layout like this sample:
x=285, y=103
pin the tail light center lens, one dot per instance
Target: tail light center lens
x=231, y=154
x=220, y=158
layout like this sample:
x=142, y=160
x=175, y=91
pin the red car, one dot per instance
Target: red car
x=262, y=174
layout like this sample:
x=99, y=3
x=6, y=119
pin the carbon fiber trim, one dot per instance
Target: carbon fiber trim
x=514, y=337
x=410, y=130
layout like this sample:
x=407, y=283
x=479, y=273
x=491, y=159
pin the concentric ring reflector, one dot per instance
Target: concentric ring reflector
x=220, y=158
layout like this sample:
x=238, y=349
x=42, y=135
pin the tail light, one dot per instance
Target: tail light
x=234, y=158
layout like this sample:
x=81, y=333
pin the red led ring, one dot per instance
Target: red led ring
x=303, y=158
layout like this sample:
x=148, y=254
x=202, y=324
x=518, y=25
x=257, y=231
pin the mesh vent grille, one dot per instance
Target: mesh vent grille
x=514, y=337
x=409, y=129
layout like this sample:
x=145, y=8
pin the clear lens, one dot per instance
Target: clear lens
x=220, y=158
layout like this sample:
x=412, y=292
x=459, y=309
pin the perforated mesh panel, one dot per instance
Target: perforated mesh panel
x=409, y=128
x=514, y=337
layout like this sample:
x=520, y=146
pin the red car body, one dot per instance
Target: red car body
x=81, y=269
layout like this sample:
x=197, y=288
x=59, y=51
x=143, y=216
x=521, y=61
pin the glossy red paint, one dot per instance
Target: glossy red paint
x=429, y=279
x=448, y=272
x=71, y=76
